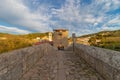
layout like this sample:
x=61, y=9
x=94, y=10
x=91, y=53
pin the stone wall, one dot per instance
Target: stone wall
x=16, y=63
x=105, y=62
x=60, y=37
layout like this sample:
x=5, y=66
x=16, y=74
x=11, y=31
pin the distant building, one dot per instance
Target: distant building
x=84, y=40
x=60, y=37
x=50, y=36
x=44, y=39
x=3, y=38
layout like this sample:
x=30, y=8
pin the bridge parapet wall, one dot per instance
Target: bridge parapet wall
x=13, y=65
x=105, y=62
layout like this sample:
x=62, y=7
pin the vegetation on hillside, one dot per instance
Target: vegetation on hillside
x=33, y=35
x=106, y=39
x=10, y=42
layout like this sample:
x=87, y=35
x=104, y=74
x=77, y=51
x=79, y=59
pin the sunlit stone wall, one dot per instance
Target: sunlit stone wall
x=105, y=62
x=16, y=63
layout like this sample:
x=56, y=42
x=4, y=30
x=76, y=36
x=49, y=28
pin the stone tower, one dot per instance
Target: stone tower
x=50, y=36
x=60, y=37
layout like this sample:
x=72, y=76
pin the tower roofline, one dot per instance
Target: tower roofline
x=60, y=29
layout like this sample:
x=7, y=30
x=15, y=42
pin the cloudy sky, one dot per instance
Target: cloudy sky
x=79, y=16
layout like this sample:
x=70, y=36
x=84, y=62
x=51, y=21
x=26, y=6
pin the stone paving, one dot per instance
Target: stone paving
x=62, y=65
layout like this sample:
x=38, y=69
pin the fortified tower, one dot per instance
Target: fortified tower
x=50, y=36
x=60, y=38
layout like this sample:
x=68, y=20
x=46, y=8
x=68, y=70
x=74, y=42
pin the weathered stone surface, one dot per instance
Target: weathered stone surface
x=61, y=65
x=16, y=63
x=103, y=61
x=43, y=62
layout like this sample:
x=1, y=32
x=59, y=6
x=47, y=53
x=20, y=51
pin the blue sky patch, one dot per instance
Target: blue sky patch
x=80, y=16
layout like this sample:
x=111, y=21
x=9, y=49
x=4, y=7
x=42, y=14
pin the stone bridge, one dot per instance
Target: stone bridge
x=43, y=62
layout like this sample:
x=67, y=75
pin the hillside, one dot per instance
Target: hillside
x=104, y=39
x=10, y=42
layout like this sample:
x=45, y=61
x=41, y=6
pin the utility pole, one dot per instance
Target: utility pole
x=73, y=39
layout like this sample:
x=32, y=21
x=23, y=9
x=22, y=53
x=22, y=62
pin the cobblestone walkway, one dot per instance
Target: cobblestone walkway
x=63, y=65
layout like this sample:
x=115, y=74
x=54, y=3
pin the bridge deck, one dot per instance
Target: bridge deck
x=61, y=66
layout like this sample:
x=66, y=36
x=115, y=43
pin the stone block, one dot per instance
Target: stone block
x=3, y=71
x=82, y=54
x=92, y=62
x=86, y=57
x=116, y=74
x=16, y=63
x=36, y=57
x=29, y=61
x=99, y=66
x=16, y=72
x=103, y=60
x=3, y=61
x=107, y=72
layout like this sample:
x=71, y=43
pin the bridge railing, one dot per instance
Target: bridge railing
x=13, y=65
x=105, y=62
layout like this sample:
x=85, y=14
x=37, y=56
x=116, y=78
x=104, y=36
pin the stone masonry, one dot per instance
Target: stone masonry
x=60, y=37
x=61, y=65
x=13, y=65
x=105, y=62
x=43, y=62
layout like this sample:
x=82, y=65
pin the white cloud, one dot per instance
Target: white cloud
x=13, y=30
x=115, y=20
x=110, y=4
x=95, y=24
x=15, y=12
x=110, y=28
x=112, y=24
x=86, y=18
x=77, y=17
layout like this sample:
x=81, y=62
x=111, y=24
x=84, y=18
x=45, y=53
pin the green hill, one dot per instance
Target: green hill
x=10, y=42
x=105, y=39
